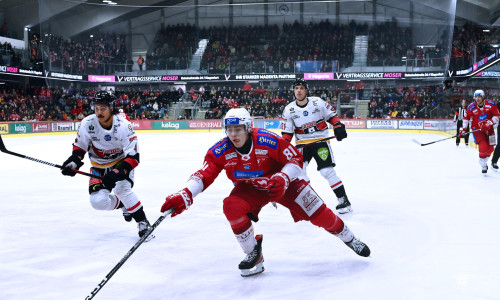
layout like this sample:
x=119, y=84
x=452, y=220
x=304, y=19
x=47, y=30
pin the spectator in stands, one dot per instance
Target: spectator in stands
x=140, y=62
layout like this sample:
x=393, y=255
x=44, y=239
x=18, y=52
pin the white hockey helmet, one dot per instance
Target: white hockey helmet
x=237, y=116
x=479, y=93
x=120, y=110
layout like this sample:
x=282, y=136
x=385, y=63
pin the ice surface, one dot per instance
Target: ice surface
x=429, y=216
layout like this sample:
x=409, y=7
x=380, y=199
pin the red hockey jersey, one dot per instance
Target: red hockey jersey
x=476, y=114
x=268, y=155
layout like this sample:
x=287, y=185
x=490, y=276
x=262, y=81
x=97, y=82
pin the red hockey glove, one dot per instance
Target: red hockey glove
x=180, y=201
x=463, y=132
x=277, y=185
x=486, y=125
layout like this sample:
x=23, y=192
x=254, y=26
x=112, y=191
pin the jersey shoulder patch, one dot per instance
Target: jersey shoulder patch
x=267, y=138
x=220, y=147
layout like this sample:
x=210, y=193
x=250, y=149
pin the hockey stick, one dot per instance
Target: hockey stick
x=318, y=141
x=129, y=253
x=4, y=150
x=451, y=137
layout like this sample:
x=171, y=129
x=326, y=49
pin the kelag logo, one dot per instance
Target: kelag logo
x=170, y=125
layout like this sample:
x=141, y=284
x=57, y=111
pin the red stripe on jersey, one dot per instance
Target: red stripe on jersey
x=336, y=185
x=132, y=138
x=135, y=206
x=134, y=163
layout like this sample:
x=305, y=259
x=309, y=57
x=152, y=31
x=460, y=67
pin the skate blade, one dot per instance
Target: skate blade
x=259, y=268
x=344, y=210
x=149, y=238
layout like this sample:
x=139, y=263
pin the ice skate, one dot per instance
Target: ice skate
x=359, y=247
x=494, y=166
x=484, y=170
x=253, y=262
x=344, y=205
x=143, y=227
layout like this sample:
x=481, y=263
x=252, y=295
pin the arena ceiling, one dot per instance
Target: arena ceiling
x=35, y=11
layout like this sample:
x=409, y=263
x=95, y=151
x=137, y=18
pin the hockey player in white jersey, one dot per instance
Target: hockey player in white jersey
x=113, y=151
x=308, y=118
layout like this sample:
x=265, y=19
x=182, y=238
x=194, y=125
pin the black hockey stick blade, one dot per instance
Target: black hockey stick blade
x=129, y=253
x=4, y=150
x=318, y=141
x=2, y=146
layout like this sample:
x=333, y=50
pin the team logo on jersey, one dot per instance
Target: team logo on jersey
x=305, y=113
x=267, y=141
x=323, y=153
x=107, y=138
x=248, y=174
x=247, y=167
x=483, y=117
x=91, y=129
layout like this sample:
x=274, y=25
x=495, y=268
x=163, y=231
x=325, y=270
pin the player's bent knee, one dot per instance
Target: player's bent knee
x=100, y=200
x=234, y=207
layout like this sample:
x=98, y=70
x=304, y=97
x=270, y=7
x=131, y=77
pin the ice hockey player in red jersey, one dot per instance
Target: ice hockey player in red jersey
x=123, y=114
x=264, y=168
x=308, y=119
x=114, y=153
x=482, y=114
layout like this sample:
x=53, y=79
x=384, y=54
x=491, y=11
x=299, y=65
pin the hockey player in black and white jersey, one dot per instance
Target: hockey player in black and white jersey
x=114, y=153
x=308, y=118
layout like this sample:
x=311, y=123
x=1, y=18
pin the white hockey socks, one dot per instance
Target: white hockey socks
x=247, y=240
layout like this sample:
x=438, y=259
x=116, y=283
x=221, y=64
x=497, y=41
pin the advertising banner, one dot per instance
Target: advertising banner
x=4, y=128
x=271, y=124
x=170, y=125
x=354, y=124
x=102, y=78
x=41, y=127
x=205, y=124
x=433, y=125
x=69, y=126
x=411, y=124
x=20, y=128
x=381, y=124
x=141, y=124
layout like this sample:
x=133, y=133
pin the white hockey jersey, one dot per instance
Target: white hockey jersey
x=309, y=123
x=106, y=147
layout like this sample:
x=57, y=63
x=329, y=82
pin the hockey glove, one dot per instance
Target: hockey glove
x=72, y=163
x=180, y=201
x=486, y=125
x=339, y=130
x=277, y=185
x=111, y=178
x=463, y=132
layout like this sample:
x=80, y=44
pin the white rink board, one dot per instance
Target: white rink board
x=427, y=213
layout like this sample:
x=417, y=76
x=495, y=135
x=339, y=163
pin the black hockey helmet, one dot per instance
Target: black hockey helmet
x=300, y=81
x=104, y=97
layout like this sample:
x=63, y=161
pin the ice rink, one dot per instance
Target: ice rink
x=429, y=216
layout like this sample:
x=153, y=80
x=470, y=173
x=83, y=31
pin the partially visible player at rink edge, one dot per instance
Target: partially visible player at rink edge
x=263, y=168
x=482, y=114
x=496, y=152
x=114, y=153
x=308, y=118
